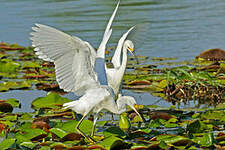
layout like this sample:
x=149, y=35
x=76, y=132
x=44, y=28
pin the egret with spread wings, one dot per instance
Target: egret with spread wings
x=76, y=64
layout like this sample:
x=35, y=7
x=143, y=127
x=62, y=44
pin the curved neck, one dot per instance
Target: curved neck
x=116, y=56
x=124, y=61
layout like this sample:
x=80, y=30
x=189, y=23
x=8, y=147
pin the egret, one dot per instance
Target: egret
x=75, y=66
x=115, y=75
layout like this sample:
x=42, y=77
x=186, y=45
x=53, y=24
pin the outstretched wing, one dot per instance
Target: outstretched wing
x=73, y=58
x=100, y=66
x=107, y=34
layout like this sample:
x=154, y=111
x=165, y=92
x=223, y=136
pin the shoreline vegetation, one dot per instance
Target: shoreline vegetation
x=200, y=81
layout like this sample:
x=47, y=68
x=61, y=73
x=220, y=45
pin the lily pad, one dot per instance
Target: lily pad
x=113, y=142
x=13, y=102
x=113, y=131
x=8, y=66
x=7, y=143
x=52, y=100
x=5, y=86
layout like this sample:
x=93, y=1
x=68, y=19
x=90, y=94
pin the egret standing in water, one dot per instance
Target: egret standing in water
x=75, y=65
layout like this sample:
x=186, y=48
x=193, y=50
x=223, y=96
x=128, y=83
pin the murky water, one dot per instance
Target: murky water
x=178, y=28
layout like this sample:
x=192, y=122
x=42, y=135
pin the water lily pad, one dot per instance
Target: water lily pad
x=113, y=131
x=8, y=66
x=13, y=102
x=5, y=86
x=35, y=134
x=206, y=140
x=5, y=107
x=113, y=142
x=52, y=100
x=59, y=132
x=7, y=143
x=29, y=64
x=29, y=145
x=11, y=47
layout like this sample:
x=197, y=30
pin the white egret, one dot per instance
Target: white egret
x=75, y=66
x=114, y=75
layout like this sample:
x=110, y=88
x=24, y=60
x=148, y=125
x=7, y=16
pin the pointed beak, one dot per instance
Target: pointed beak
x=131, y=50
x=142, y=119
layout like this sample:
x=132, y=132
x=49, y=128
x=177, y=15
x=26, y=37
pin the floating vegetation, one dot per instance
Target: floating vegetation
x=203, y=82
x=216, y=54
x=49, y=126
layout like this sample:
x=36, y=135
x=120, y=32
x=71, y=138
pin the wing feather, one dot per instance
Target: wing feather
x=73, y=58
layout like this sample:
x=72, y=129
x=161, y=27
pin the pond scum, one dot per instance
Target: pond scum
x=51, y=127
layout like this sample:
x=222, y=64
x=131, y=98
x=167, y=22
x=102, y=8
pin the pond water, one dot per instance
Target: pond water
x=179, y=29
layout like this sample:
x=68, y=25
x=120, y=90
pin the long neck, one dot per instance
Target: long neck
x=124, y=61
x=117, y=55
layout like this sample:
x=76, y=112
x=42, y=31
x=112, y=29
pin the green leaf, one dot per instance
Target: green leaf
x=5, y=86
x=59, y=132
x=32, y=133
x=52, y=100
x=69, y=126
x=20, y=138
x=101, y=123
x=156, y=123
x=29, y=145
x=7, y=143
x=170, y=125
x=45, y=148
x=206, y=140
x=163, y=145
x=195, y=127
x=14, y=102
x=112, y=142
x=113, y=131
x=30, y=64
x=9, y=117
x=171, y=139
x=26, y=116
x=8, y=66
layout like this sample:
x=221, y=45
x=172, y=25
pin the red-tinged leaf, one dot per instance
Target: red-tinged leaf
x=39, y=137
x=5, y=107
x=41, y=125
x=77, y=148
x=96, y=147
x=10, y=48
x=160, y=115
x=137, y=82
x=72, y=137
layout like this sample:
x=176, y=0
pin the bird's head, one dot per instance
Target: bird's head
x=130, y=101
x=129, y=46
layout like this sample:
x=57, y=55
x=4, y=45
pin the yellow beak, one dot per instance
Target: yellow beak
x=131, y=49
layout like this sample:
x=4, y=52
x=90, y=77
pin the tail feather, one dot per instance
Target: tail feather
x=69, y=104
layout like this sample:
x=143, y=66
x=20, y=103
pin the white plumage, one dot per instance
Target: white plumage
x=75, y=68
